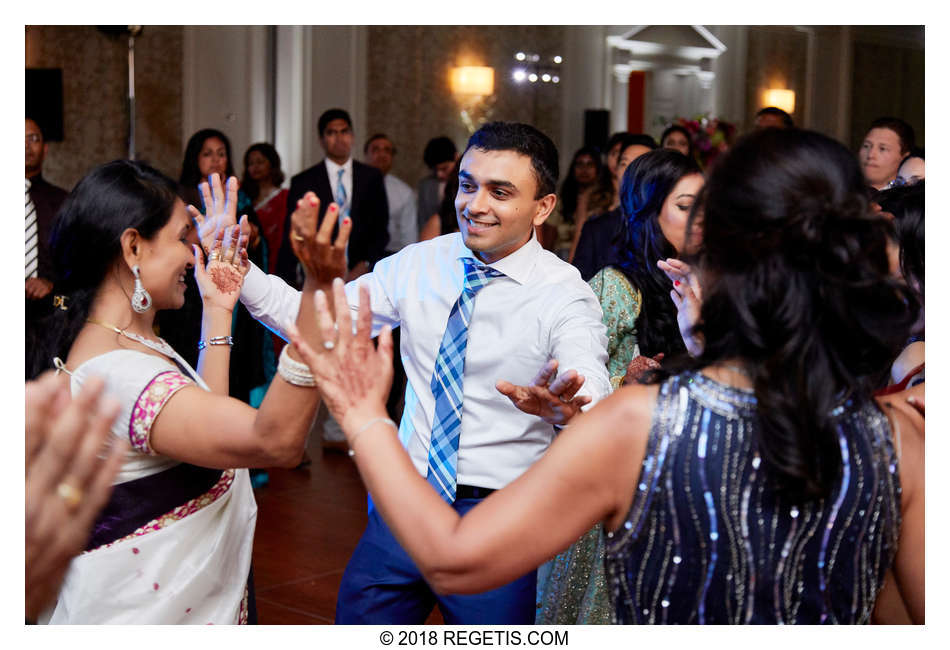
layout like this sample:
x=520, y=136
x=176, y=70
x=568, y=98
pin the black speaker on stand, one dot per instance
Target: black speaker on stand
x=596, y=127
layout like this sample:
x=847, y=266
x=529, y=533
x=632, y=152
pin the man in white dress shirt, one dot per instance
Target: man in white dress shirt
x=403, y=228
x=533, y=310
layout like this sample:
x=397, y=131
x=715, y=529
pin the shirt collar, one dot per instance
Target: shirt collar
x=333, y=169
x=517, y=266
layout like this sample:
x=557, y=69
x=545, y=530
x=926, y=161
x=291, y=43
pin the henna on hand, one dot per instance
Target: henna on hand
x=225, y=277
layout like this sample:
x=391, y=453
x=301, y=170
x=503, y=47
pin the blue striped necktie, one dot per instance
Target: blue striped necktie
x=341, y=195
x=446, y=383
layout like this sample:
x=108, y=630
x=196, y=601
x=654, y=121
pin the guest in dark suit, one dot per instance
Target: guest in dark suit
x=357, y=188
x=600, y=237
x=46, y=199
x=440, y=156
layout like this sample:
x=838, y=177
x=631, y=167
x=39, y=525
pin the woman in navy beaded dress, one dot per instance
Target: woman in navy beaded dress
x=759, y=482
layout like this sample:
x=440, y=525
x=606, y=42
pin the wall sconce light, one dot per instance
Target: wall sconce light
x=473, y=80
x=473, y=87
x=780, y=98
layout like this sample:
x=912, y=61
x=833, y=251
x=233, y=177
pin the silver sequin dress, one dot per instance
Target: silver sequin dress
x=708, y=541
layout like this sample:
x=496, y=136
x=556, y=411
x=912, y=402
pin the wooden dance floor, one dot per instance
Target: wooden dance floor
x=308, y=523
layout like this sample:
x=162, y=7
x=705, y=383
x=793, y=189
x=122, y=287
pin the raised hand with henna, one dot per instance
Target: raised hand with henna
x=219, y=282
x=555, y=402
x=639, y=365
x=220, y=210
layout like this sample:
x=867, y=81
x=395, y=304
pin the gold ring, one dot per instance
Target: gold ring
x=70, y=494
x=296, y=237
x=215, y=255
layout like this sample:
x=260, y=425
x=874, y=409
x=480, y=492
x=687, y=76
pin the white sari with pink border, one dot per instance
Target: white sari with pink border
x=189, y=564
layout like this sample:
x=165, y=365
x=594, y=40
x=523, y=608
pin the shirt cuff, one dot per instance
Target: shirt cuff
x=255, y=286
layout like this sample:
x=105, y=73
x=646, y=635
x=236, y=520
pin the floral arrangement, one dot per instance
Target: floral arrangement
x=710, y=135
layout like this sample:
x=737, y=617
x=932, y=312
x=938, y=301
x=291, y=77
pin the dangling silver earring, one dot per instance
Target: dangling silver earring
x=141, y=301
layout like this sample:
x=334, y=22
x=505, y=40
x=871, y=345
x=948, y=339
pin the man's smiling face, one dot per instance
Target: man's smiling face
x=496, y=205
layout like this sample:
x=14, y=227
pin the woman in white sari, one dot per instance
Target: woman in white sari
x=173, y=544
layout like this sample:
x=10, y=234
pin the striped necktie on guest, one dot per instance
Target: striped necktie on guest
x=446, y=383
x=32, y=236
x=341, y=197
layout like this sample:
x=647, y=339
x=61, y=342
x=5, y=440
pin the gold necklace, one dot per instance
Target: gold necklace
x=159, y=346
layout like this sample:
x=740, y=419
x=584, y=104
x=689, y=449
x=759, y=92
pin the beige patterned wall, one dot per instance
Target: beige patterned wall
x=95, y=104
x=887, y=81
x=408, y=95
x=777, y=57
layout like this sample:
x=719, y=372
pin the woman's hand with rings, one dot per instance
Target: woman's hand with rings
x=220, y=282
x=71, y=461
x=322, y=259
x=352, y=375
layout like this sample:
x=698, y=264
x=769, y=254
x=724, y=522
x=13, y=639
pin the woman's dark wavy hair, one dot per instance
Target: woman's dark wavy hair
x=796, y=286
x=190, y=176
x=907, y=206
x=646, y=184
x=570, y=189
x=85, y=243
x=248, y=184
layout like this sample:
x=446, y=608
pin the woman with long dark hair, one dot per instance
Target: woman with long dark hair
x=261, y=182
x=586, y=191
x=757, y=483
x=173, y=544
x=678, y=138
x=254, y=355
x=656, y=196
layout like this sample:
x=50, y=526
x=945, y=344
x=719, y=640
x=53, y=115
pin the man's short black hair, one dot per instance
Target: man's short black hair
x=904, y=131
x=525, y=140
x=330, y=115
x=642, y=139
x=614, y=139
x=38, y=126
x=439, y=150
x=377, y=136
x=778, y=112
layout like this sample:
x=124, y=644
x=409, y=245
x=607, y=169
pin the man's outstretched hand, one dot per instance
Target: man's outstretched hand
x=554, y=402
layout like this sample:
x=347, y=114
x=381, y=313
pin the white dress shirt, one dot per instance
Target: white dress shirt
x=540, y=310
x=403, y=224
x=333, y=171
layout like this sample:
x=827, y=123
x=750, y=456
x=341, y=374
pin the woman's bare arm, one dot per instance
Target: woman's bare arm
x=908, y=569
x=586, y=476
x=216, y=431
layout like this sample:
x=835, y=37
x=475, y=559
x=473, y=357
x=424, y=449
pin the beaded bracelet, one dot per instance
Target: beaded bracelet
x=294, y=372
x=366, y=426
x=216, y=340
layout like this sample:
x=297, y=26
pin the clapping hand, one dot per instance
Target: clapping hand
x=220, y=281
x=220, y=210
x=322, y=259
x=352, y=374
x=554, y=402
x=687, y=295
x=71, y=461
